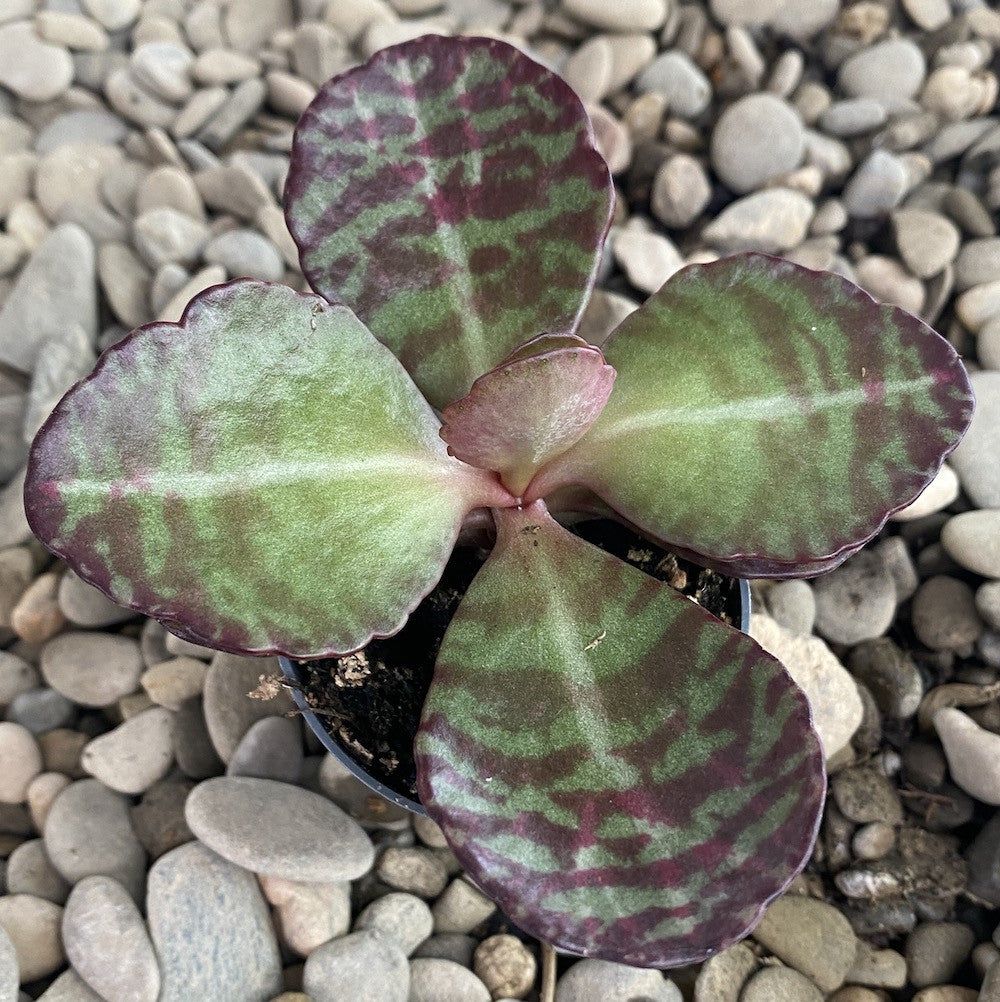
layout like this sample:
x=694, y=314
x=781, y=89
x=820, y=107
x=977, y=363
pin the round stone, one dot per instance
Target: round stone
x=107, y=943
x=211, y=928
x=42, y=792
x=927, y=241
x=164, y=236
x=988, y=603
x=756, y=139
x=22, y=762
x=675, y=76
x=935, y=951
x=624, y=15
x=771, y=221
x=600, y=980
x=791, y=928
x=32, y=924
x=864, y=795
x=133, y=756
x=29, y=871
x=978, y=262
x=972, y=539
x=793, y=606
x=413, y=869
x=94, y=669
x=158, y=820
x=308, y=915
x=31, y=68
x=944, y=614
x=680, y=191
x=83, y=605
x=938, y=494
x=973, y=754
x=403, y=917
x=245, y=254
x=363, y=966
x=783, y=983
x=506, y=966
x=974, y=459
x=855, y=602
x=436, y=980
x=271, y=749
x=889, y=71
x=87, y=832
x=278, y=830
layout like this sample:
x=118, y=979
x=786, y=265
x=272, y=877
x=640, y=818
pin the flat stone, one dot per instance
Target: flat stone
x=944, y=611
x=876, y=187
x=855, y=602
x=648, y=259
x=83, y=605
x=988, y=603
x=978, y=305
x=172, y=310
x=853, y=117
x=42, y=792
x=133, y=756
x=73, y=31
x=363, y=966
x=9, y=975
x=32, y=924
x=935, y=951
x=158, y=820
x=306, y=915
x=211, y=929
x=41, y=710
x=403, y=917
x=87, y=832
x=196, y=755
x=978, y=262
x=73, y=172
x=228, y=188
x=927, y=241
x=165, y=235
x=974, y=458
x=757, y=138
x=29, y=871
x=164, y=68
x=22, y=761
x=771, y=221
x=107, y=943
x=626, y=15
x=245, y=254
x=270, y=749
x=92, y=125
x=55, y=290
x=436, y=980
x=94, y=669
x=938, y=494
x=241, y=106
x=601, y=980
x=674, y=75
x=32, y=68
x=230, y=710
x=246, y=821
x=172, y=682
x=793, y=925
x=251, y=24
x=136, y=104
x=973, y=754
x=889, y=71
x=58, y=366
x=889, y=282
x=780, y=983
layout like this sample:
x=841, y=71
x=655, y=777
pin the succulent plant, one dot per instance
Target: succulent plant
x=287, y=473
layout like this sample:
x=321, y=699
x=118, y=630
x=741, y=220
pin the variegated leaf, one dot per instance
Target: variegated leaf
x=767, y=419
x=525, y=412
x=450, y=193
x=263, y=477
x=628, y=777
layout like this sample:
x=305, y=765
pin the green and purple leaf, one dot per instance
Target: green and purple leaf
x=449, y=192
x=263, y=477
x=526, y=412
x=767, y=419
x=627, y=776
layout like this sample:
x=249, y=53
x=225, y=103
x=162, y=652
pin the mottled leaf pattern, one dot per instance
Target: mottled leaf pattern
x=527, y=411
x=625, y=775
x=264, y=477
x=766, y=418
x=449, y=192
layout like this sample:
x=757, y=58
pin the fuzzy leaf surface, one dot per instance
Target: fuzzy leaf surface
x=450, y=193
x=767, y=419
x=627, y=776
x=525, y=412
x=263, y=477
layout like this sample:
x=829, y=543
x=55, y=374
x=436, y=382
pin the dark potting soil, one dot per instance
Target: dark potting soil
x=370, y=701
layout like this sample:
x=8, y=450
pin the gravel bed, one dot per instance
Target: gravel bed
x=146, y=786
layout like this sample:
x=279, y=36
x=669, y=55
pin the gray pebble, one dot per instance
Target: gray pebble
x=874, y=841
x=626, y=15
x=270, y=749
x=876, y=187
x=927, y=241
x=889, y=282
x=211, y=929
x=133, y=756
x=245, y=254
x=40, y=710
x=896, y=558
x=363, y=966
x=9, y=975
x=791, y=928
x=973, y=754
x=29, y=871
x=853, y=117
x=944, y=614
x=771, y=221
x=246, y=821
x=83, y=605
x=782, y=983
x=196, y=755
x=973, y=540
x=87, y=832
x=855, y=602
x=461, y=908
x=601, y=980
x=988, y=344
x=164, y=236
x=793, y=606
x=244, y=102
x=32, y=68
x=435, y=980
x=16, y=676
x=32, y=924
x=107, y=943
x=92, y=125
x=22, y=759
x=94, y=669
x=680, y=191
x=69, y=987
x=136, y=104
x=413, y=869
x=680, y=81
x=403, y=917
x=54, y=291
x=757, y=138
x=935, y=951
x=978, y=262
x=863, y=794
x=988, y=603
x=974, y=458
x=448, y=946
x=172, y=188
x=890, y=675
x=164, y=69
x=890, y=71
x=158, y=819
x=59, y=365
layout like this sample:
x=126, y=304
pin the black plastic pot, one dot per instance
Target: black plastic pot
x=294, y=675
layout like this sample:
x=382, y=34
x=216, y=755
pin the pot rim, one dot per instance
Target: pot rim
x=291, y=671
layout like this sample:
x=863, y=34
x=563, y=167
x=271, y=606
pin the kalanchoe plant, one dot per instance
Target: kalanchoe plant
x=627, y=776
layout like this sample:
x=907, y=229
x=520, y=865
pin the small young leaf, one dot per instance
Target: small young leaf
x=450, y=193
x=527, y=411
x=264, y=477
x=628, y=777
x=766, y=418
